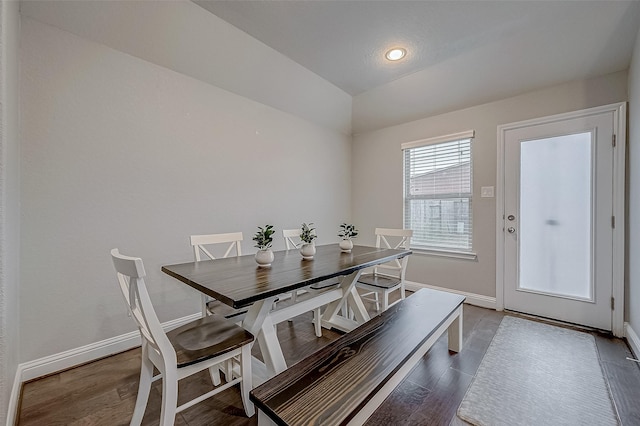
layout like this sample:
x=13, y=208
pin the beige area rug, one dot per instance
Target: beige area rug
x=538, y=374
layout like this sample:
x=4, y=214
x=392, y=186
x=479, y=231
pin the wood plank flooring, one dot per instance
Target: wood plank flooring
x=103, y=392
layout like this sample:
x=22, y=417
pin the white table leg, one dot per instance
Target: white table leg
x=270, y=348
x=256, y=315
x=258, y=322
x=259, y=372
x=351, y=297
x=455, y=332
x=356, y=305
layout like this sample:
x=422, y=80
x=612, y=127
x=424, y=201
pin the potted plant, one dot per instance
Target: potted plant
x=264, y=239
x=347, y=232
x=307, y=235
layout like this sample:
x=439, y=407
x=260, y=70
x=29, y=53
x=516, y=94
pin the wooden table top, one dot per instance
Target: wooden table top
x=239, y=282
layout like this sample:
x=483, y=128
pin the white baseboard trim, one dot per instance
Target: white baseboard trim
x=471, y=298
x=12, y=411
x=67, y=359
x=633, y=339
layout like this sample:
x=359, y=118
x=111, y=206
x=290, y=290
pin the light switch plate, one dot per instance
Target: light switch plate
x=486, y=192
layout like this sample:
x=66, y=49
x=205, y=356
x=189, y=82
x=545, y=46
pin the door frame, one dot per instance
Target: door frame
x=619, y=111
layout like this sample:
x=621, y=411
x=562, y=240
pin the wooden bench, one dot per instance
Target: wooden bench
x=344, y=382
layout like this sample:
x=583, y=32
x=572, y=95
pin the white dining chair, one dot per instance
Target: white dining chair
x=387, y=277
x=199, y=345
x=292, y=241
x=228, y=244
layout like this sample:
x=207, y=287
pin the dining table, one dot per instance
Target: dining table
x=240, y=283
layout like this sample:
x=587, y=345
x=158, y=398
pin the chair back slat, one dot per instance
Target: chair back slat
x=291, y=238
x=235, y=244
x=199, y=243
x=400, y=239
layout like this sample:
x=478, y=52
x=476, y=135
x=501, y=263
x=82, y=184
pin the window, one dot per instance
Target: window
x=438, y=191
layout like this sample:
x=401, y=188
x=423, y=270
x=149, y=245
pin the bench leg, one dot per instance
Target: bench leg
x=317, y=322
x=452, y=324
x=455, y=332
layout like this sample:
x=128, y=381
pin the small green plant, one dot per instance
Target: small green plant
x=307, y=235
x=263, y=237
x=347, y=231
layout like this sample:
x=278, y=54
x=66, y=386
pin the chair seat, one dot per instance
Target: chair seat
x=206, y=338
x=379, y=281
x=325, y=284
x=216, y=307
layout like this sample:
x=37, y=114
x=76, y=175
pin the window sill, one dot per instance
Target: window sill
x=465, y=255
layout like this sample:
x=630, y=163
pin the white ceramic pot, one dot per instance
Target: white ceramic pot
x=346, y=246
x=264, y=258
x=308, y=250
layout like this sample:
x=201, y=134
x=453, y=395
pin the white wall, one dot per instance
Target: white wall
x=633, y=202
x=9, y=201
x=120, y=152
x=184, y=37
x=377, y=173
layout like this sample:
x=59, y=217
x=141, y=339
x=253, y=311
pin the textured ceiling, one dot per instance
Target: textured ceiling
x=344, y=41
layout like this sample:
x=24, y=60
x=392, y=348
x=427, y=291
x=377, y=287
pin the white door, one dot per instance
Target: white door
x=558, y=219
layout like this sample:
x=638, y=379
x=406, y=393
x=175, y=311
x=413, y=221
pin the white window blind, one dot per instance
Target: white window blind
x=438, y=192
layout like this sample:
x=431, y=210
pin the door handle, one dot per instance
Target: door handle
x=511, y=229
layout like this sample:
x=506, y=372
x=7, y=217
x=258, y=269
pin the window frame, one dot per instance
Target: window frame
x=436, y=250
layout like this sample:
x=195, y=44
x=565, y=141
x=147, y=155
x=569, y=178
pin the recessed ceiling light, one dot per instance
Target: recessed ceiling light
x=395, y=54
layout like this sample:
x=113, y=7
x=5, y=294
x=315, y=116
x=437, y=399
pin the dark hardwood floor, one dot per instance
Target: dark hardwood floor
x=103, y=392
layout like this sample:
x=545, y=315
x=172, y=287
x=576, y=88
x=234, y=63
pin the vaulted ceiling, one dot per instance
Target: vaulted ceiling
x=460, y=53
x=345, y=41
x=324, y=60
